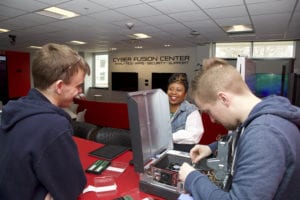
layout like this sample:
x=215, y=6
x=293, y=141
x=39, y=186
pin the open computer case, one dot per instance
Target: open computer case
x=153, y=155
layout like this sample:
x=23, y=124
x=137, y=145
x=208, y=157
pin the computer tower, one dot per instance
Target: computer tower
x=151, y=137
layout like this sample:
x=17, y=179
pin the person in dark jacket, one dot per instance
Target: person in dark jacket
x=39, y=159
x=265, y=158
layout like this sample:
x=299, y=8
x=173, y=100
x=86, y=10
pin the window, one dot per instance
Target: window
x=233, y=50
x=278, y=49
x=283, y=49
x=101, y=71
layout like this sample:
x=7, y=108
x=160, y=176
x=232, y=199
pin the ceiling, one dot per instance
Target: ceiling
x=102, y=23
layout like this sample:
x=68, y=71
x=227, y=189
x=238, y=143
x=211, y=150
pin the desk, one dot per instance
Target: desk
x=127, y=182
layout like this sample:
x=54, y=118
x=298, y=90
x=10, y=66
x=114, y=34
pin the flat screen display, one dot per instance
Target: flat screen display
x=268, y=84
x=160, y=80
x=124, y=81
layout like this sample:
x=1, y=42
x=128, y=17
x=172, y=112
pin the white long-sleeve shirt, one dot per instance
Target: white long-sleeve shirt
x=193, y=131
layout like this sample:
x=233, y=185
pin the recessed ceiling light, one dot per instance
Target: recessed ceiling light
x=35, y=47
x=57, y=13
x=3, y=30
x=141, y=36
x=76, y=42
x=138, y=47
x=238, y=29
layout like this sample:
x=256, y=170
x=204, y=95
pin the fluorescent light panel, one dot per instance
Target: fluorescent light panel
x=3, y=30
x=35, y=47
x=238, y=29
x=141, y=36
x=57, y=13
x=76, y=42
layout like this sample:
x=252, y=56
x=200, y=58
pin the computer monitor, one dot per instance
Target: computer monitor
x=124, y=81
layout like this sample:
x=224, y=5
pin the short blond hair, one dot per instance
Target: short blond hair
x=56, y=62
x=216, y=75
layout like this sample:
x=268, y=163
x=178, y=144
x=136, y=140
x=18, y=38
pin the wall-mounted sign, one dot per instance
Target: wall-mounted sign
x=151, y=60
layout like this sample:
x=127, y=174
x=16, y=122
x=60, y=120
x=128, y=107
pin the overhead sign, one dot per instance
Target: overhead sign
x=151, y=60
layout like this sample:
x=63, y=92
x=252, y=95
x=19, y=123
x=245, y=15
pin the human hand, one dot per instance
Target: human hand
x=199, y=152
x=184, y=171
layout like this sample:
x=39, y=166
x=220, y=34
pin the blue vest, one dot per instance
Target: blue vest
x=179, y=118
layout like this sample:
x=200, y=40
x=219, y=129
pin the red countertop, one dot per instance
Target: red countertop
x=127, y=181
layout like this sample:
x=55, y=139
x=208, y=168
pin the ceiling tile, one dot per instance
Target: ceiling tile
x=227, y=12
x=168, y=6
x=233, y=21
x=28, y=5
x=295, y=20
x=218, y=3
x=261, y=1
x=269, y=37
x=6, y=12
x=268, y=19
x=116, y=3
x=138, y=11
x=109, y=16
x=157, y=20
x=189, y=16
x=171, y=27
x=298, y=7
x=29, y=20
x=271, y=7
x=205, y=27
x=272, y=23
x=83, y=7
x=50, y=2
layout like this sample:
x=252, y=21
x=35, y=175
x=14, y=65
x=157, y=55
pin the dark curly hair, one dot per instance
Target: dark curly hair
x=179, y=78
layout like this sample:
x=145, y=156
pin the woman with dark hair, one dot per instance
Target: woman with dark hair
x=186, y=121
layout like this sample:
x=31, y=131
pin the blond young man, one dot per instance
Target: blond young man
x=39, y=159
x=266, y=159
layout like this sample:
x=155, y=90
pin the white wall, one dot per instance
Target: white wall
x=197, y=54
x=145, y=68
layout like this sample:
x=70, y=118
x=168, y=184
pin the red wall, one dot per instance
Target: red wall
x=18, y=70
x=211, y=130
x=108, y=114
